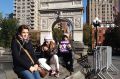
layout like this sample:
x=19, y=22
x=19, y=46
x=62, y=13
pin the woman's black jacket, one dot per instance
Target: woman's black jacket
x=20, y=60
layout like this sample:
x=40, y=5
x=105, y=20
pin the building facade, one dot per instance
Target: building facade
x=43, y=14
x=103, y=9
x=26, y=12
x=100, y=36
x=116, y=6
x=71, y=10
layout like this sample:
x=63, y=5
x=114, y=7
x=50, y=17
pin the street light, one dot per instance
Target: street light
x=96, y=22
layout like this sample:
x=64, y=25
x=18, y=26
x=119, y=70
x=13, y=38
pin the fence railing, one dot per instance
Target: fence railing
x=103, y=61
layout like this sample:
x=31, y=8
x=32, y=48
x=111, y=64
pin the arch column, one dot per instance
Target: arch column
x=46, y=27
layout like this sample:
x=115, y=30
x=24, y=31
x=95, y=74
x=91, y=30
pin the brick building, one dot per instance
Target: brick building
x=100, y=36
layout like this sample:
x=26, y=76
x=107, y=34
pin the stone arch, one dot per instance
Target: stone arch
x=65, y=25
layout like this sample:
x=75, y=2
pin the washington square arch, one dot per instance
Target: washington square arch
x=66, y=15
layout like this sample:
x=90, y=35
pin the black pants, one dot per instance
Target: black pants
x=68, y=60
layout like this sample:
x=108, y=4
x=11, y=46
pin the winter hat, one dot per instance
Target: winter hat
x=47, y=38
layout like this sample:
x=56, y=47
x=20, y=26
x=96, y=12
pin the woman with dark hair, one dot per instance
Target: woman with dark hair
x=24, y=67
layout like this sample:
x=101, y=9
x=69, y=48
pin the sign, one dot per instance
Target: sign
x=63, y=46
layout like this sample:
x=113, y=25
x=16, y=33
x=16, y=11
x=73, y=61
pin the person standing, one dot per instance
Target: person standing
x=65, y=51
x=22, y=65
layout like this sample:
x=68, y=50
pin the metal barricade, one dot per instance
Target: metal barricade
x=103, y=61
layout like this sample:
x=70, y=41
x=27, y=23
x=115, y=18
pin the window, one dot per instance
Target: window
x=23, y=7
x=110, y=1
x=103, y=11
x=103, y=6
x=18, y=18
x=28, y=10
x=19, y=0
x=18, y=11
x=23, y=3
x=45, y=5
x=23, y=15
x=23, y=11
x=28, y=18
x=28, y=3
x=28, y=6
x=18, y=15
x=18, y=7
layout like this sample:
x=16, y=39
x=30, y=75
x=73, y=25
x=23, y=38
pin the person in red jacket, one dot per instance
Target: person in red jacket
x=22, y=65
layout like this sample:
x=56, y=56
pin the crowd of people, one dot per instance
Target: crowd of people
x=25, y=63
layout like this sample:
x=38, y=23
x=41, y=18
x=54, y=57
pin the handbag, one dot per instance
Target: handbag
x=41, y=70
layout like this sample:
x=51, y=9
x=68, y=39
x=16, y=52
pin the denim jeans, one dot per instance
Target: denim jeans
x=26, y=74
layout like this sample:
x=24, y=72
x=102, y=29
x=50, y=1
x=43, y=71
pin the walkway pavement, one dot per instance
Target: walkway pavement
x=6, y=71
x=115, y=62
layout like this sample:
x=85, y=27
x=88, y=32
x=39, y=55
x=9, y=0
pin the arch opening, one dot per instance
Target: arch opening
x=61, y=27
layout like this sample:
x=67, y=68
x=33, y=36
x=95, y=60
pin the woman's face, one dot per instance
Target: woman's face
x=25, y=33
x=66, y=38
x=47, y=42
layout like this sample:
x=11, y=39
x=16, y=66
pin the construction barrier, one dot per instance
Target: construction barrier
x=103, y=61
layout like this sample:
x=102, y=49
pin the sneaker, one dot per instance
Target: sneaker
x=57, y=73
x=52, y=73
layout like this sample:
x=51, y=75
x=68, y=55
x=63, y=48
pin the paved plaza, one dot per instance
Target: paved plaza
x=6, y=71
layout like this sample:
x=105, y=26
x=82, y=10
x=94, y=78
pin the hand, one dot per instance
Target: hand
x=60, y=46
x=45, y=48
x=69, y=46
x=32, y=69
x=36, y=67
x=39, y=68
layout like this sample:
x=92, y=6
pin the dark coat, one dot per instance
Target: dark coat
x=20, y=60
x=46, y=54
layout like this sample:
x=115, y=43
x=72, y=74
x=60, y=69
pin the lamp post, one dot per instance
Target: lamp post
x=96, y=23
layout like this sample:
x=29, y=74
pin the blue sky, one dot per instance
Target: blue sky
x=84, y=15
x=6, y=7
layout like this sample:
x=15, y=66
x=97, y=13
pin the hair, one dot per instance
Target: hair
x=52, y=45
x=64, y=37
x=21, y=27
